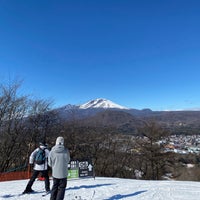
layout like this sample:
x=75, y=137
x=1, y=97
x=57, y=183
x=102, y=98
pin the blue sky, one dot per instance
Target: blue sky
x=137, y=53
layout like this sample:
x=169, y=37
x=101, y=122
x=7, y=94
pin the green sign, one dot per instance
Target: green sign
x=73, y=173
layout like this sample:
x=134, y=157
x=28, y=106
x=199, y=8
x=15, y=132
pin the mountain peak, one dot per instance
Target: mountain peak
x=101, y=103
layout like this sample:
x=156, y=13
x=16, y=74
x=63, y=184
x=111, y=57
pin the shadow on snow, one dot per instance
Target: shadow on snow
x=119, y=196
x=6, y=196
x=88, y=186
x=115, y=197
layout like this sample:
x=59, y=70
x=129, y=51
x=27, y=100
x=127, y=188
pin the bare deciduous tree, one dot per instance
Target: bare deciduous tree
x=18, y=123
x=151, y=159
x=12, y=112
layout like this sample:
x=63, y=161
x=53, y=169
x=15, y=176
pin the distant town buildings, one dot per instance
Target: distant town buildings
x=182, y=144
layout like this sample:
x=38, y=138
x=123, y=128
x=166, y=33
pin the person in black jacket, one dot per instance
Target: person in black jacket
x=39, y=168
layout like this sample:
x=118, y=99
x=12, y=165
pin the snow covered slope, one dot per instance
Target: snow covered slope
x=101, y=103
x=108, y=189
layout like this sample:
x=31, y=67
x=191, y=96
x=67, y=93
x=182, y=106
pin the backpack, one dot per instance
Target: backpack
x=40, y=157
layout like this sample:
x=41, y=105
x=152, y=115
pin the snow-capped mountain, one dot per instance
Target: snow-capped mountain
x=101, y=103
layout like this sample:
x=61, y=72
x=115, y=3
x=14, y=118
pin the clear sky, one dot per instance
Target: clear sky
x=137, y=53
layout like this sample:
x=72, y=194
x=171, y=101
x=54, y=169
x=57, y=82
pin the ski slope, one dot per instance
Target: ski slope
x=107, y=189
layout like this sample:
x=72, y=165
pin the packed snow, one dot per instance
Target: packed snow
x=107, y=189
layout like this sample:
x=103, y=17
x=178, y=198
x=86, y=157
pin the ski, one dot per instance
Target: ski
x=30, y=193
x=47, y=193
x=20, y=194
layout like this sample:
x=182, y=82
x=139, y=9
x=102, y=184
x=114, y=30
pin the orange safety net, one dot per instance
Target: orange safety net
x=14, y=176
x=9, y=176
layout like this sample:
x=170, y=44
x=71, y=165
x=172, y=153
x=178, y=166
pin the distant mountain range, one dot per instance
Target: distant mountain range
x=107, y=113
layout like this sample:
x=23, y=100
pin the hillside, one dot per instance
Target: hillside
x=177, y=122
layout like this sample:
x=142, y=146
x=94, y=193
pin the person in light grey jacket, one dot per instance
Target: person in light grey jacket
x=58, y=160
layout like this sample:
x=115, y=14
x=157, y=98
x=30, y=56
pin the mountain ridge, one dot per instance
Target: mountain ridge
x=101, y=103
x=108, y=104
x=106, y=113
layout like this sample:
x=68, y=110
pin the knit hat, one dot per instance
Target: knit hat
x=60, y=140
x=42, y=144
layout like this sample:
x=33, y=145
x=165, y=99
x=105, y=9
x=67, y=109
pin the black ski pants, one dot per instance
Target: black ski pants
x=35, y=174
x=58, y=189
